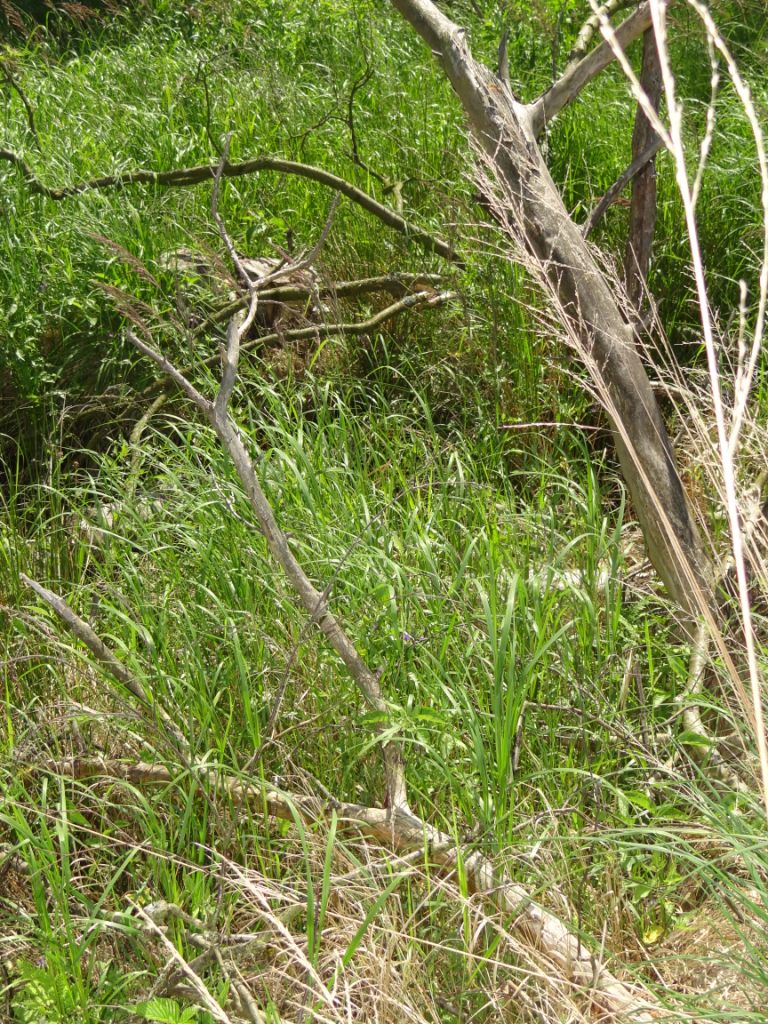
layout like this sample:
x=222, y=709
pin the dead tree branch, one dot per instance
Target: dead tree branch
x=185, y=177
x=577, y=76
x=319, y=331
x=83, y=632
x=591, y=26
x=407, y=833
x=28, y=109
x=315, y=604
x=637, y=165
x=642, y=212
x=396, y=284
x=555, y=250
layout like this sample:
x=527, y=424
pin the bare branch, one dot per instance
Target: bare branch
x=219, y=221
x=80, y=628
x=313, y=600
x=553, y=249
x=408, y=833
x=229, y=359
x=319, y=331
x=576, y=77
x=312, y=256
x=395, y=284
x=642, y=213
x=168, y=368
x=8, y=76
x=239, y=324
x=590, y=27
x=185, y=177
x=618, y=187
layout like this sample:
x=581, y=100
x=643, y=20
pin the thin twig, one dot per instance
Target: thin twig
x=319, y=331
x=277, y=541
x=358, y=84
x=102, y=653
x=396, y=284
x=8, y=76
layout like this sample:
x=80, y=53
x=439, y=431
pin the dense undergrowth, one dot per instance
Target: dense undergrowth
x=533, y=670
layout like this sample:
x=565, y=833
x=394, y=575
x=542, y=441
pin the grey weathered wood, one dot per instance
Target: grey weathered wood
x=503, y=130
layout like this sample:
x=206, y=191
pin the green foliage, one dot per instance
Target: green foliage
x=503, y=669
x=536, y=697
x=166, y=1011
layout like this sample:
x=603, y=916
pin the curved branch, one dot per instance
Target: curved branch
x=395, y=284
x=185, y=176
x=577, y=76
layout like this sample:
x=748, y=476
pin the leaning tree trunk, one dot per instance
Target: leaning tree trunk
x=502, y=128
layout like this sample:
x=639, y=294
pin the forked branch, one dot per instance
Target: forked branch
x=313, y=600
x=426, y=297
x=408, y=833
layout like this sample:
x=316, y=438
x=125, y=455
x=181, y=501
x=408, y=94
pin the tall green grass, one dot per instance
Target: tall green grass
x=504, y=670
x=536, y=695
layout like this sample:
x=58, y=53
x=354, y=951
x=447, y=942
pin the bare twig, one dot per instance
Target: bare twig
x=358, y=84
x=421, y=298
x=396, y=284
x=8, y=76
x=576, y=77
x=185, y=177
x=102, y=653
x=252, y=287
x=618, y=187
x=322, y=238
x=206, y=999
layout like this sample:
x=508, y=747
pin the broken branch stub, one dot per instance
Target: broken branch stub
x=586, y=306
